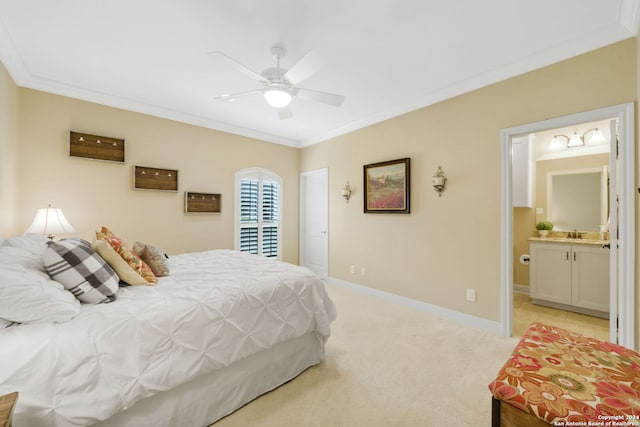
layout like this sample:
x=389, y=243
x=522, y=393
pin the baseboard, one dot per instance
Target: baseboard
x=522, y=289
x=444, y=313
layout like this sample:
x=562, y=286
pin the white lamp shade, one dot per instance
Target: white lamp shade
x=277, y=97
x=575, y=141
x=50, y=221
x=556, y=144
x=597, y=137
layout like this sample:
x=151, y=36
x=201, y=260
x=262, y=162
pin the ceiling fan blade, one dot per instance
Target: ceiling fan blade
x=240, y=67
x=231, y=97
x=305, y=67
x=324, y=97
x=284, y=113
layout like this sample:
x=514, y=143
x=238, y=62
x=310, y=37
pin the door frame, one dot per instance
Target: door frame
x=622, y=301
x=302, y=210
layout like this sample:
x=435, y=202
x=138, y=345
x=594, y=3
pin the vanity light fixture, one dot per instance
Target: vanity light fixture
x=439, y=181
x=576, y=140
x=346, y=192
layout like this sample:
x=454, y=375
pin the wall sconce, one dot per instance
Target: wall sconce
x=576, y=140
x=346, y=192
x=439, y=181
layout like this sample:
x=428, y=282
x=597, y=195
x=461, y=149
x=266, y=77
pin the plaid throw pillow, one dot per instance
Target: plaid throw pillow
x=74, y=264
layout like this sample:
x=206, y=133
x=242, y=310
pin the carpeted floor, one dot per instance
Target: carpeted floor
x=387, y=365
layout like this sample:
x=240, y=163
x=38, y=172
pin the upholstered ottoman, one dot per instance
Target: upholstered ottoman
x=563, y=378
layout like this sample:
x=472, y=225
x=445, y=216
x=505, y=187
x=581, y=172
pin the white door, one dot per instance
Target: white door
x=314, y=212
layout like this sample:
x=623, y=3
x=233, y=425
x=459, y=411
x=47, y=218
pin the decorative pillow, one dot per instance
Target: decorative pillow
x=124, y=270
x=154, y=258
x=81, y=271
x=27, y=297
x=123, y=250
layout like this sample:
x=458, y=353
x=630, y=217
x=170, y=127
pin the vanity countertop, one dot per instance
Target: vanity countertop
x=566, y=240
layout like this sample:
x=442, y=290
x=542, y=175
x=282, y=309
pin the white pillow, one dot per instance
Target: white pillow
x=27, y=297
x=24, y=250
x=10, y=255
x=33, y=242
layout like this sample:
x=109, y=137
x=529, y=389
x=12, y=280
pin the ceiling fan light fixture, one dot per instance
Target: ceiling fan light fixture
x=278, y=96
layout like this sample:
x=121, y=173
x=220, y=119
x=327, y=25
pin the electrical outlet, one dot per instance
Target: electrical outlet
x=471, y=295
x=352, y=269
x=363, y=271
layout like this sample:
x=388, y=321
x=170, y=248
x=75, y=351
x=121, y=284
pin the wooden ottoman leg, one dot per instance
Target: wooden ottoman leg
x=495, y=412
x=505, y=415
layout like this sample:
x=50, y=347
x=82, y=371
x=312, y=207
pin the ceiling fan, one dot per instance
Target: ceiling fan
x=280, y=84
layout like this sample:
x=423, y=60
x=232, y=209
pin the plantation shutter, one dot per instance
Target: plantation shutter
x=249, y=198
x=259, y=208
x=270, y=219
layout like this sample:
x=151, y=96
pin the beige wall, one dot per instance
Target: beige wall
x=524, y=219
x=452, y=243
x=94, y=193
x=9, y=137
x=446, y=245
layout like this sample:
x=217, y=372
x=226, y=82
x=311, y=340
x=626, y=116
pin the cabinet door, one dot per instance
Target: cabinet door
x=550, y=270
x=521, y=172
x=590, y=278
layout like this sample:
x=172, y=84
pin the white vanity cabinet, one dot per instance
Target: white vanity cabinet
x=570, y=276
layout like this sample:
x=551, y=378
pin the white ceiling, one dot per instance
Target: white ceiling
x=387, y=57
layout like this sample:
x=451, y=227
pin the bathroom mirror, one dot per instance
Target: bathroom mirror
x=577, y=200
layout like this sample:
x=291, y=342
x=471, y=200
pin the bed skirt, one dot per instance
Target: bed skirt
x=213, y=396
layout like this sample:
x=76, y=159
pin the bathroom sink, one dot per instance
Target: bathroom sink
x=579, y=241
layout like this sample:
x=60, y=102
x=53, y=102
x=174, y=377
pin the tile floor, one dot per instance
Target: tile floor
x=524, y=312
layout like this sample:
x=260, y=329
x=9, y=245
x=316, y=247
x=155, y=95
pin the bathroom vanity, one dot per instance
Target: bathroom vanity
x=570, y=274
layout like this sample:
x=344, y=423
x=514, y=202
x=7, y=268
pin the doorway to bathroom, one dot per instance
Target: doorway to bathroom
x=620, y=208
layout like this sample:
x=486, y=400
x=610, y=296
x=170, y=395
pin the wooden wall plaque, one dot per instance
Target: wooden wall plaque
x=96, y=147
x=201, y=202
x=147, y=178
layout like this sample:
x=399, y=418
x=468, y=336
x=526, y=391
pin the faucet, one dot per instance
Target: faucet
x=575, y=235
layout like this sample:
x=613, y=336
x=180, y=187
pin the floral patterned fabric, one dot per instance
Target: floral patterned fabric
x=123, y=250
x=565, y=378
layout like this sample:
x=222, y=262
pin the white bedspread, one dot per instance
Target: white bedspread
x=216, y=308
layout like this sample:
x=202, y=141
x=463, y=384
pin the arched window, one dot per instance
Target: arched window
x=257, y=218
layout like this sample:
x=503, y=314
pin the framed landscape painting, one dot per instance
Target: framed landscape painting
x=387, y=186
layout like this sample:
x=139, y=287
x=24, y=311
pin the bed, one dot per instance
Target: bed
x=223, y=328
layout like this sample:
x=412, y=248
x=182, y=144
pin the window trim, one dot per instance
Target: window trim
x=261, y=174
